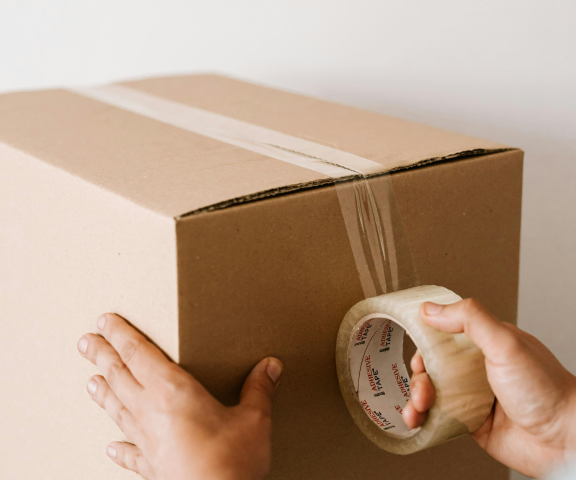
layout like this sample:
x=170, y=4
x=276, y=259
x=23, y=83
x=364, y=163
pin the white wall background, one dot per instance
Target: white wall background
x=503, y=70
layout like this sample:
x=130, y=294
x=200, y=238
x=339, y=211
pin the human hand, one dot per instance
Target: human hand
x=532, y=425
x=176, y=429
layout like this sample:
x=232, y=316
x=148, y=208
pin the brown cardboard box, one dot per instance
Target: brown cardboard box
x=102, y=209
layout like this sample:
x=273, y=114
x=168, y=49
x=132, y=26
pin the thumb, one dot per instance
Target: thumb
x=261, y=384
x=495, y=338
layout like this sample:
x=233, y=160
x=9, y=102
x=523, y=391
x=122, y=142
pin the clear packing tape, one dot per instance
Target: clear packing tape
x=376, y=233
x=369, y=352
x=371, y=372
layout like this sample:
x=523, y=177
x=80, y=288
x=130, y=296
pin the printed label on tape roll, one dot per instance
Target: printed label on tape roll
x=378, y=372
x=374, y=381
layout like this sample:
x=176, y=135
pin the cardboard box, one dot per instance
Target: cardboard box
x=223, y=256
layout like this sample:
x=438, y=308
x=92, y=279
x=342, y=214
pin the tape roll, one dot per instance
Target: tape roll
x=375, y=383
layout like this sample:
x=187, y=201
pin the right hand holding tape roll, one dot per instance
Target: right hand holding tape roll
x=375, y=384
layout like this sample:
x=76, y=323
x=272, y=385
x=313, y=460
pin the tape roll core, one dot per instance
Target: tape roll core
x=374, y=381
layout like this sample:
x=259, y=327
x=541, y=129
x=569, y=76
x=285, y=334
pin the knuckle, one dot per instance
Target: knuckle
x=135, y=461
x=471, y=306
x=114, y=371
x=165, y=396
x=129, y=349
x=121, y=416
x=174, y=388
x=258, y=419
x=262, y=387
x=512, y=343
x=169, y=391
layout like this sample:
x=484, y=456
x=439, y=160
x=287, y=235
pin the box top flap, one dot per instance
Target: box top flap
x=172, y=169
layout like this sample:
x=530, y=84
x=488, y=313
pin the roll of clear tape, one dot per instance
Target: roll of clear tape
x=375, y=384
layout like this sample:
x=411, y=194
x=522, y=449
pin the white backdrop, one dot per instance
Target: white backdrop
x=503, y=70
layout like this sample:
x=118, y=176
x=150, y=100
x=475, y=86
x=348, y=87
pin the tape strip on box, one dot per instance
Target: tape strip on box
x=377, y=236
x=309, y=155
x=373, y=378
x=368, y=206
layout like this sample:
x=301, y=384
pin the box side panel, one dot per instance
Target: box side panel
x=276, y=278
x=68, y=252
x=463, y=221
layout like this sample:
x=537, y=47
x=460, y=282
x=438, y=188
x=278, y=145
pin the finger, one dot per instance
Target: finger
x=417, y=363
x=98, y=351
x=129, y=457
x=103, y=395
x=144, y=359
x=422, y=392
x=493, y=337
x=413, y=418
x=261, y=384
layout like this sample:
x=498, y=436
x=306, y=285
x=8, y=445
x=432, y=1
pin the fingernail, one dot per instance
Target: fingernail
x=110, y=451
x=432, y=309
x=101, y=321
x=274, y=370
x=83, y=345
x=92, y=386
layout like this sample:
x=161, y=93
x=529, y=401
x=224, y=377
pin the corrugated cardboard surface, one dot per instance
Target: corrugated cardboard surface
x=91, y=199
x=392, y=142
x=68, y=252
x=276, y=277
x=173, y=171
x=157, y=166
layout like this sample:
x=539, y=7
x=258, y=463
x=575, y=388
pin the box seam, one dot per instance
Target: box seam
x=288, y=189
